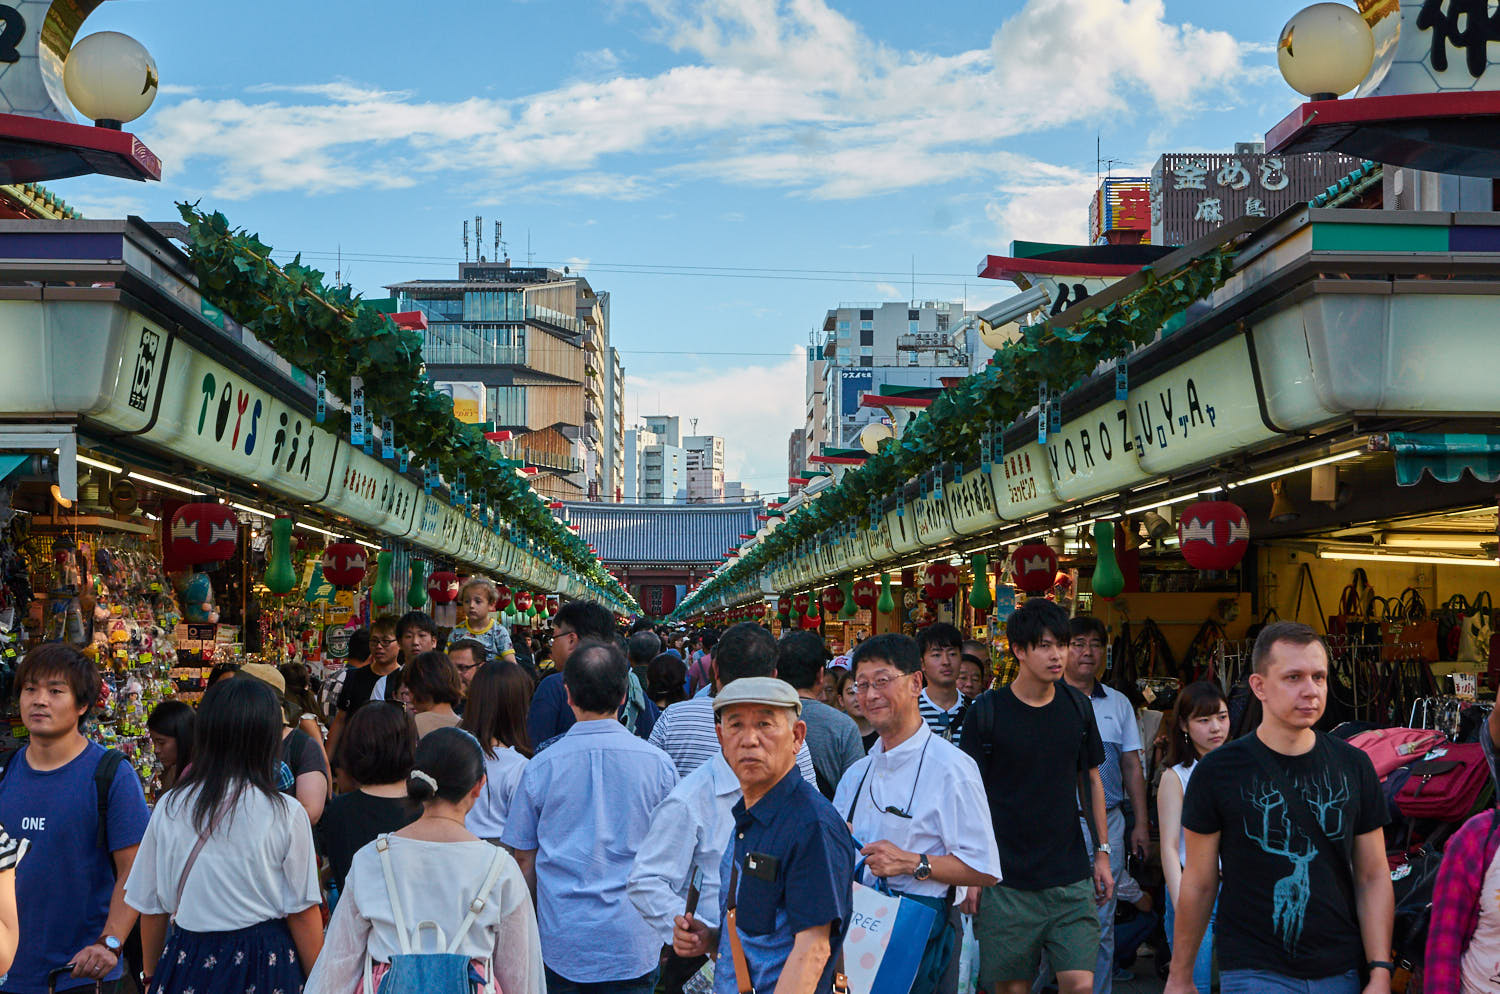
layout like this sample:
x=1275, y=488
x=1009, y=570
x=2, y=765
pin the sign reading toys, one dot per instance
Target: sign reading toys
x=1192, y=194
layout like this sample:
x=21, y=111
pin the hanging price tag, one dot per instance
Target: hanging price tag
x=322, y=397
x=356, y=411
x=387, y=438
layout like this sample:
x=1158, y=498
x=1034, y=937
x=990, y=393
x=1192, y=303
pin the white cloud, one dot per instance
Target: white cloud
x=888, y=291
x=784, y=93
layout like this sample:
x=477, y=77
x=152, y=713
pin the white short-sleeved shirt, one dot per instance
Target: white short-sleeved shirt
x=259, y=864
x=486, y=818
x=950, y=814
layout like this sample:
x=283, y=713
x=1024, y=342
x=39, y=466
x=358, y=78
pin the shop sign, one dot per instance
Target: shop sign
x=931, y=517
x=1192, y=194
x=878, y=539
x=1201, y=410
x=1433, y=46
x=1094, y=453
x=141, y=366
x=859, y=546
x=903, y=530
x=367, y=491
x=970, y=502
x=1021, y=485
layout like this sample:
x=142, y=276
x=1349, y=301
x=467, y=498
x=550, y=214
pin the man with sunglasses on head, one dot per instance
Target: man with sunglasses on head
x=916, y=804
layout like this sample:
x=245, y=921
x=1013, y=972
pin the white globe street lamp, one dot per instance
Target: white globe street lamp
x=872, y=434
x=1325, y=51
x=111, y=78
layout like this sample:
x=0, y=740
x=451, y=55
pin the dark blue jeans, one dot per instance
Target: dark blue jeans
x=557, y=984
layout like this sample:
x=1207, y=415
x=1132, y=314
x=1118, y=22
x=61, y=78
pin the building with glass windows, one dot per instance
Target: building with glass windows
x=533, y=344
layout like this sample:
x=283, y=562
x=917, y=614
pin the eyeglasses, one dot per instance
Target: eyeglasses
x=878, y=684
x=384, y=642
x=563, y=634
x=466, y=669
x=1082, y=644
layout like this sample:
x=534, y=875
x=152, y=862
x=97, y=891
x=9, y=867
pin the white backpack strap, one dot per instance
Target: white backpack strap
x=477, y=905
x=383, y=846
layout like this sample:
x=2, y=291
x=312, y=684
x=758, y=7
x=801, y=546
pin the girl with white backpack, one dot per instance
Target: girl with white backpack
x=432, y=908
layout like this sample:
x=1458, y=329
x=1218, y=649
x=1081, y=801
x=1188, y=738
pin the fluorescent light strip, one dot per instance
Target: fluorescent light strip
x=1164, y=503
x=367, y=545
x=163, y=483
x=252, y=510
x=1027, y=538
x=315, y=529
x=108, y=468
x=1374, y=557
x=1340, y=457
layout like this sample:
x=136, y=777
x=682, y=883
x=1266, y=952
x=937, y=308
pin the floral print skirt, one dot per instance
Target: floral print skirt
x=260, y=959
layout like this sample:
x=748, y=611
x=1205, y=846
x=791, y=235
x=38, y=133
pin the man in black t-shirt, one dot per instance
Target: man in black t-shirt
x=1034, y=739
x=359, y=682
x=1290, y=820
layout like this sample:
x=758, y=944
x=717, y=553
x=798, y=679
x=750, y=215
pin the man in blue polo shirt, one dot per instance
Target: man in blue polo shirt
x=787, y=879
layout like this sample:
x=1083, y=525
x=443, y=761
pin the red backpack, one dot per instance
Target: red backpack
x=1392, y=748
x=1446, y=785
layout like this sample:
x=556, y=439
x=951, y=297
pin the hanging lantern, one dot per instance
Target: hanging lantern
x=847, y=589
x=203, y=532
x=383, y=594
x=503, y=597
x=553, y=605
x=443, y=587
x=887, y=603
x=814, y=610
x=1108, y=581
x=281, y=578
x=523, y=601
x=799, y=604
x=980, y=598
x=345, y=564
x=1034, y=566
x=832, y=600
x=1213, y=534
x=865, y=594
x=942, y=582
x=416, y=591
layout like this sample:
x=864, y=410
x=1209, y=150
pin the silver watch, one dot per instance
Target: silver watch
x=1104, y=848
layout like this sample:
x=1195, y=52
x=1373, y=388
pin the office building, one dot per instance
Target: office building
x=705, y=467
x=655, y=466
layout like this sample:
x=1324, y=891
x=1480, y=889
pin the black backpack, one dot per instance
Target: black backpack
x=104, y=777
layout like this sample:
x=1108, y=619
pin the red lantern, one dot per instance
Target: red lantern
x=203, y=532
x=799, y=603
x=866, y=594
x=523, y=600
x=443, y=587
x=942, y=583
x=553, y=604
x=832, y=600
x=1034, y=565
x=502, y=597
x=344, y=564
x=1213, y=534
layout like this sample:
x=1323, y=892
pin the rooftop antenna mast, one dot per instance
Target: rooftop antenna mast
x=500, y=245
x=466, y=241
x=478, y=238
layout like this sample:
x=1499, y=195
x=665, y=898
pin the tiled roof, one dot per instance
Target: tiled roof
x=668, y=534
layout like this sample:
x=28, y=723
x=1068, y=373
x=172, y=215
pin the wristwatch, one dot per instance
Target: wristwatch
x=1377, y=964
x=1104, y=848
x=923, y=870
x=111, y=943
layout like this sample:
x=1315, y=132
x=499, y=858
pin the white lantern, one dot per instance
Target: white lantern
x=872, y=434
x=111, y=78
x=1325, y=51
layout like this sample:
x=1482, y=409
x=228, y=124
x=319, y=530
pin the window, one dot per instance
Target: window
x=843, y=327
x=913, y=315
x=913, y=326
x=867, y=337
x=867, y=315
x=867, y=326
x=865, y=360
x=867, y=350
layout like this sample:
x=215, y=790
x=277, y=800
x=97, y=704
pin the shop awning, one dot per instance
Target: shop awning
x=1445, y=456
x=9, y=463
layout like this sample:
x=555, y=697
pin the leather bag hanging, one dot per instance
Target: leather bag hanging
x=1474, y=635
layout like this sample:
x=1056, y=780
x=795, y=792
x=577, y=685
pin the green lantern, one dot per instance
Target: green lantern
x=814, y=606
x=1108, y=581
x=887, y=602
x=382, y=594
x=416, y=594
x=847, y=611
x=980, y=598
x=281, y=578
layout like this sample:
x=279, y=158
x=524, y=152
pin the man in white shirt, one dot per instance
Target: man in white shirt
x=916, y=804
x=686, y=731
x=684, y=846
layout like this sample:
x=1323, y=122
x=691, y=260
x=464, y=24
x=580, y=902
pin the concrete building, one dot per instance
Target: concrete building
x=530, y=346
x=796, y=458
x=705, y=467
x=655, y=466
x=734, y=490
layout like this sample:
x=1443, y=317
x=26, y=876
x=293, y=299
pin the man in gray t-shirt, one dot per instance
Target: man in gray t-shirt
x=832, y=736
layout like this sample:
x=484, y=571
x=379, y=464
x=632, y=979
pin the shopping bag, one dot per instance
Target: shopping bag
x=1474, y=635
x=884, y=944
x=968, y=958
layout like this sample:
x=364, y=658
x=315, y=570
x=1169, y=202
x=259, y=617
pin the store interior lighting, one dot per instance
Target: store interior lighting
x=367, y=545
x=1378, y=557
x=1156, y=505
x=252, y=510
x=143, y=478
x=1409, y=540
x=316, y=530
x=1325, y=461
x=98, y=464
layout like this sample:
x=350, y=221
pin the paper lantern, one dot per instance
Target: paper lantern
x=280, y=576
x=523, y=601
x=942, y=582
x=443, y=587
x=416, y=590
x=554, y=604
x=345, y=564
x=503, y=598
x=382, y=593
x=799, y=604
x=1213, y=534
x=980, y=598
x=865, y=594
x=1108, y=582
x=847, y=590
x=832, y=600
x=887, y=603
x=1034, y=566
x=203, y=532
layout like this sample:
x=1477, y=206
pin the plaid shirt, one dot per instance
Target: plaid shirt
x=1455, y=901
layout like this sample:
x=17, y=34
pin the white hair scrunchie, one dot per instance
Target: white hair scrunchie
x=424, y=777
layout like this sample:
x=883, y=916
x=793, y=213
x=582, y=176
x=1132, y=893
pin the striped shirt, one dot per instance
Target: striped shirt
x=944, y=724
x=685, y=731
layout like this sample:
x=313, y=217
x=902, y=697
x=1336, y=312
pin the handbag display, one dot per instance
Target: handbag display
x=1450, y=619
x=1406, y=627
x=1474, y=633
x=1446, y=784
x=1391, y=748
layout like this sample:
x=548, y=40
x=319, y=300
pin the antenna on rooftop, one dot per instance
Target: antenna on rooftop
x=466, y=241
x=500, y=244
x=478, y=237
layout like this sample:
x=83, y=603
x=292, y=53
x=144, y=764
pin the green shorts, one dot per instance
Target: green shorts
x=1013, y=928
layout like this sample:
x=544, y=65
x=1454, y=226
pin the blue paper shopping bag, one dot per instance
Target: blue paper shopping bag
x=883, y=947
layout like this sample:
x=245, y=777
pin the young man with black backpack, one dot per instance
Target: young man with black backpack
x=1039, y=751
x=1284, y=829
x=83, y=812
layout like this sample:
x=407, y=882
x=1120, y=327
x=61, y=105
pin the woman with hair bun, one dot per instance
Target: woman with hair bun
x=438, y=868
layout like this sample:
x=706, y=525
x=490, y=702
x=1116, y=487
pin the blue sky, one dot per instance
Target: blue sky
x=815, y=151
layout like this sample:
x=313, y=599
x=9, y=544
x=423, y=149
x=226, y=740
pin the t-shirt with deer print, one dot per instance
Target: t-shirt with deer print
x=1283, y=906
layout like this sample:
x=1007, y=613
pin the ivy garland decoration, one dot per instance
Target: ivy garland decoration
x=951, y=428
x=316, y=327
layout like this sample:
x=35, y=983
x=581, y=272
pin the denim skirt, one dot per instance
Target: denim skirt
x=260, y=959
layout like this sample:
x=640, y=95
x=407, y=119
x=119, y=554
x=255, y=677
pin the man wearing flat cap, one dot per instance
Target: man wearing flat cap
x=787, y=878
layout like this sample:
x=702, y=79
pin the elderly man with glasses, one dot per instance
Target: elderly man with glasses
x=916, y=804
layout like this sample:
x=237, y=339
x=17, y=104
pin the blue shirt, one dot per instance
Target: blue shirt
x=585, y=805
x=1118, y=730
x=805, y=856
x=63, y=886
x=550, y=714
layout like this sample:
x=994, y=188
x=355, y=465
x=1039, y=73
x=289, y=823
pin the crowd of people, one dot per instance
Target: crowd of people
x=618, y=812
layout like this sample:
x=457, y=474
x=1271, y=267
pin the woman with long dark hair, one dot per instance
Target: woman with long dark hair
x=228, y=860
x=435, y=870
x=375, y=752
x=666, y=680
x=496, y=715
x=170, y=726
x=1198, y=724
